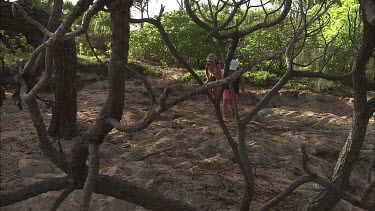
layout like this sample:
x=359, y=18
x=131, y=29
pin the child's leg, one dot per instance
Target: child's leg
x=226, y=102
x=231, y=103
x=210, y=79
x=215, y=93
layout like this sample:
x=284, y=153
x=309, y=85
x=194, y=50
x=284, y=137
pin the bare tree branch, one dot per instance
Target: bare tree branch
x=286, y=192
x=121, y=189
x=145, y=83
x=44, y=142
x=91, y=176
x=34, y=190
x=313, y=177
x=322, y=75
x=194, y=17
x=16, y=7
x=91, y=47
x=42, y=82
x=61, y=198
x=226, y=22
x=95, y=8
x=286, y=8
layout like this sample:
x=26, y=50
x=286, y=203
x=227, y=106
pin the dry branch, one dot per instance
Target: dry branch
x=91, y=176
x=112, y=186
x=61, y=198
x=82, y=29
x=313, y=177
x=287, y=192
x=34, y=190
x=145, y=83
x=16, y=7
x=44, y=143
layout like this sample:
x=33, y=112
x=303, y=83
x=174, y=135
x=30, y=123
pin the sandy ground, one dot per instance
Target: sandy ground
x=183, y=154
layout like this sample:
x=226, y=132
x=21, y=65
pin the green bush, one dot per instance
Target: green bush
x=259, y=78
x=188, y=78
x=145, y=70
x=188, y=38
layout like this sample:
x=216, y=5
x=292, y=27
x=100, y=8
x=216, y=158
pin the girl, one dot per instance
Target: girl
x=213, y=72
x=237, y=84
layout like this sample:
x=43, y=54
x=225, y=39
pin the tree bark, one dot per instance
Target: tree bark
x=326, y=200
x=64, y=110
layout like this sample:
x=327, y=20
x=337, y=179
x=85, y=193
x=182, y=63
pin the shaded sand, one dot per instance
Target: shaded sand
x=183, y=154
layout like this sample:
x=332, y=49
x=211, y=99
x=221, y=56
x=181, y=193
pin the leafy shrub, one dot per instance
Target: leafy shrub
x=188, y=38
x=145, y=70
x=188, y=78
x=259, y=78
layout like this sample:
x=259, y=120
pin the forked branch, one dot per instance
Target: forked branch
x=313, y=177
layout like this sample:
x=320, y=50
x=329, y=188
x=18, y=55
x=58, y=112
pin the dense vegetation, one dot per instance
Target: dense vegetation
x=190, y=40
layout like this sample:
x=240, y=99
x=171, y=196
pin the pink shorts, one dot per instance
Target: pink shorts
x=227, y=95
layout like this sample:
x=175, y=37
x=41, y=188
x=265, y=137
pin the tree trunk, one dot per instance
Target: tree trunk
x=326, y=200
x=64, y=110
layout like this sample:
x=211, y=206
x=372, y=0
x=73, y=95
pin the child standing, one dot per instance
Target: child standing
x=237, y=84
x=213, y=71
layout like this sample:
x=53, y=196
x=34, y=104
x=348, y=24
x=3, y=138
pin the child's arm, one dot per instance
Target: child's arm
x=220, y=72
x=207, y=74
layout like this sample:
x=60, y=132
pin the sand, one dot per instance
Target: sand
x=183, y=154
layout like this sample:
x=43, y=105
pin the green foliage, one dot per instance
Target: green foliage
x=11, y=58
x=99, y=35
x=145, y=70
x=188, y=78
x=298, y=85
x=17, y=47
x=259, y=78
x=188, y=38
x=326, y=86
